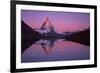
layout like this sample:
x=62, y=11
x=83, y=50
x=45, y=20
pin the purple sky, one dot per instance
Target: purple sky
x=62, y=21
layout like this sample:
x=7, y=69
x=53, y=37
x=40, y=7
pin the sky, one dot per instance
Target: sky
x=62, y=21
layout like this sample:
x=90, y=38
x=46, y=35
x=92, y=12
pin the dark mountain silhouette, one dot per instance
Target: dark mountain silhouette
x=47, y=31
x=29, y=36
x=82, y=37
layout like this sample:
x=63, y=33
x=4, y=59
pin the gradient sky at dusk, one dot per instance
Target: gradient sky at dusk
x=62, y=21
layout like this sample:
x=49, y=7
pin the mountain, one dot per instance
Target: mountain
x=28, y=36
x=48, y=30
x=82, y=37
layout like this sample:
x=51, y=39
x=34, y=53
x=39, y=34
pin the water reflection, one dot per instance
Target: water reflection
x=55, y=50
x=47, y=45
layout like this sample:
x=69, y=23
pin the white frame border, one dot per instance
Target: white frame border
x=20, y=65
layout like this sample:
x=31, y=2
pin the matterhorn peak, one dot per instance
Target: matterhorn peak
x=47, y=27
x=47, y=23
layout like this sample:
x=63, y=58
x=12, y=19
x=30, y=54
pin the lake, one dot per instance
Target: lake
x=55, y=50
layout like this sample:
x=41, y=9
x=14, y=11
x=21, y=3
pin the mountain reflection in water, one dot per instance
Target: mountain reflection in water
x=55, y=50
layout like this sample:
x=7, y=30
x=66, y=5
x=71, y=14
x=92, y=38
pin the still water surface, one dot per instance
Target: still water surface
x=55, y=50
